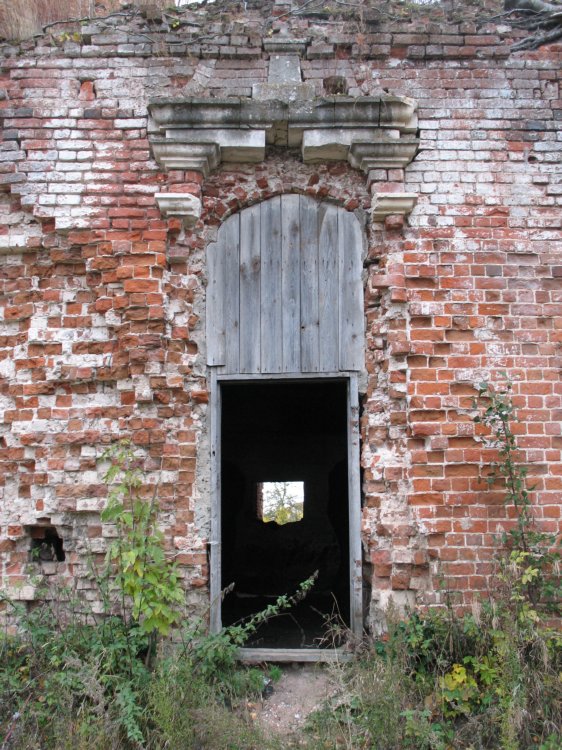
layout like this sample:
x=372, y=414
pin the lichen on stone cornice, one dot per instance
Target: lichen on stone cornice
x=370, y=132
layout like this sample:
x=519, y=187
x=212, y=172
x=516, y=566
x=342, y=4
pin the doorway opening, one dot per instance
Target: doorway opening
x=285, y=506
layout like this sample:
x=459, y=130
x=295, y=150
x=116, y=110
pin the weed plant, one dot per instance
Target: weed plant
x=439, y=680
x=70, y=679
x=485, y=680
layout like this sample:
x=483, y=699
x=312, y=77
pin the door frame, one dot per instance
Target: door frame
x=354, y=504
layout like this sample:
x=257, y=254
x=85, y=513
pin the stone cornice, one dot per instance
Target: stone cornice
x=370, y=132
x=184, y=205
x=390, y=204
x=385, y=111
x=285, y=45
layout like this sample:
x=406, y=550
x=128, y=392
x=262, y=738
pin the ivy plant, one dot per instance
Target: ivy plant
x=533, y=557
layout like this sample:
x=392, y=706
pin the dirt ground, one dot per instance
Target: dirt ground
x=301, y=690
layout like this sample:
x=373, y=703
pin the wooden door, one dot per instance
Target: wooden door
x=284, y=290
x=285, y=301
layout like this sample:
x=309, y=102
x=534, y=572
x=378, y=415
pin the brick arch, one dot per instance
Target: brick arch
x=228, y=190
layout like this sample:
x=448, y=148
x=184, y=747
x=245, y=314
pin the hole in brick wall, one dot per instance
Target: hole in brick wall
x=335, y=85
x=532, y=159
x=46, y=544
x=87, y=91
x=343, y=51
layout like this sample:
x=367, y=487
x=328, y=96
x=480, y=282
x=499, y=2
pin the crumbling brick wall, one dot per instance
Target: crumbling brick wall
x=102, y=298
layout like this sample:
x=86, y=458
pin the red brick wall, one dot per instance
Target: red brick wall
x=102, y=300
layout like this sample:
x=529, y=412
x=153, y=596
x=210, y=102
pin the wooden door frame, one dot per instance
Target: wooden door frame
x=354, y=504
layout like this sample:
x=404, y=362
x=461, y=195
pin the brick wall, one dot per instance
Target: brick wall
x=102, y=299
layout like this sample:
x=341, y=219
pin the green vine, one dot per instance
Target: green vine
x=532, y=557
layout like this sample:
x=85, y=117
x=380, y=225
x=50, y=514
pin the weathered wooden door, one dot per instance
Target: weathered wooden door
x=285, y=292
x=285, y=301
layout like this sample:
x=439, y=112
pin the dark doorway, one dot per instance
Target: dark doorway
x=291, y=434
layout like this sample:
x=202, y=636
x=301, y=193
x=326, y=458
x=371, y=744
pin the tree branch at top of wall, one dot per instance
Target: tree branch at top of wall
x=543, y=19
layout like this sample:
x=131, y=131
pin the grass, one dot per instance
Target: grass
x=445, y=679
x=479, y=681
x=22, y=19
x=488, y=680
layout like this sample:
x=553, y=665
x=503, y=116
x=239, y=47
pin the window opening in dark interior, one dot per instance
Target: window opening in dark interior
x=280, y=501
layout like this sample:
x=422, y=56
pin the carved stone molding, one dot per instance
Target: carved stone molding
x=382, y=153
x=199, y=157
x=285, y=45
x=184, y=205
x=369, y=132
x=364, y=149
x=389, y=204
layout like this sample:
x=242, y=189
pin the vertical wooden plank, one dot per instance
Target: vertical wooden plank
x=354, y=494
x=351, y=315
x=215, y=583
x=229, y=235
x=328, y=288
x=215, y=306
x=310, y=323
x=271, y=290
x=250, y=260
x=290, y=273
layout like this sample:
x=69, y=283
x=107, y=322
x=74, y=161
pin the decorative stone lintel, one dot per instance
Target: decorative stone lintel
x=388, y=204
x=384, y=112
x=364, y=148
x=370, y=132
x=184, y=205
x=204, y=149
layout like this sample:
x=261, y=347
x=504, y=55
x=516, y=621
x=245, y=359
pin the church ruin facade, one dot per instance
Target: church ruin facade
x=274, y=242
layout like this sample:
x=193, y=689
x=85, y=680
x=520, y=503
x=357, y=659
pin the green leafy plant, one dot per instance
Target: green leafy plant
x=531, y=565
x=215, y=654
x=95, y=666
x=275, y=672
x=147, y=582
x=486, y=679
x=441, y=679
x=459, y=691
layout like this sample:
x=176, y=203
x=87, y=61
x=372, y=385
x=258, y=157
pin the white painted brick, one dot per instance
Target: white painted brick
x=68, y=200
x=66, y=187
x=133, y=122
x=47, y=200
x=73, y=166
x=74, y=144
